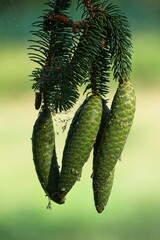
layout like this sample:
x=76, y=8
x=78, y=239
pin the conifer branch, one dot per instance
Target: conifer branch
x=74, y=53
x=120, y=41
x=50, y=78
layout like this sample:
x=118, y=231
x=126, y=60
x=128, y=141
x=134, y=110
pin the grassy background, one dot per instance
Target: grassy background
x=133, y=210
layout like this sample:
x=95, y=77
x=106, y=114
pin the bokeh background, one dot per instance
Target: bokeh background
x=133, y=211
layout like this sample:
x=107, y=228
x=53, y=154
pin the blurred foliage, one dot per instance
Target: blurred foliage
x=133, y=210
x=16, y=16
x=16, y=67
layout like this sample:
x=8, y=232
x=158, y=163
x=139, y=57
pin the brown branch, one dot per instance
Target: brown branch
x=52, y=18
x=89, y=6
x=78, y=25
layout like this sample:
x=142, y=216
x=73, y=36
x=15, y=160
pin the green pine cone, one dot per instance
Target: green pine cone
x=38, y=100
x=113, y=139
x=80, y=143
x=101, y=197
x=105, y=115
x=74, y=122
x=44, y=155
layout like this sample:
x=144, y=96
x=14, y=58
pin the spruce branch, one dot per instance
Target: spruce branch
x=89, y=44
x=53, y=56
x=100, y=73
x=120, y=41
x=74, y=53
x=118, y=31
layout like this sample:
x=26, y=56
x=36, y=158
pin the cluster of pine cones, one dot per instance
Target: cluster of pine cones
x=94, y=126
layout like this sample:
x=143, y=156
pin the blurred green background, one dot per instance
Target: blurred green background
x=133, y=211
